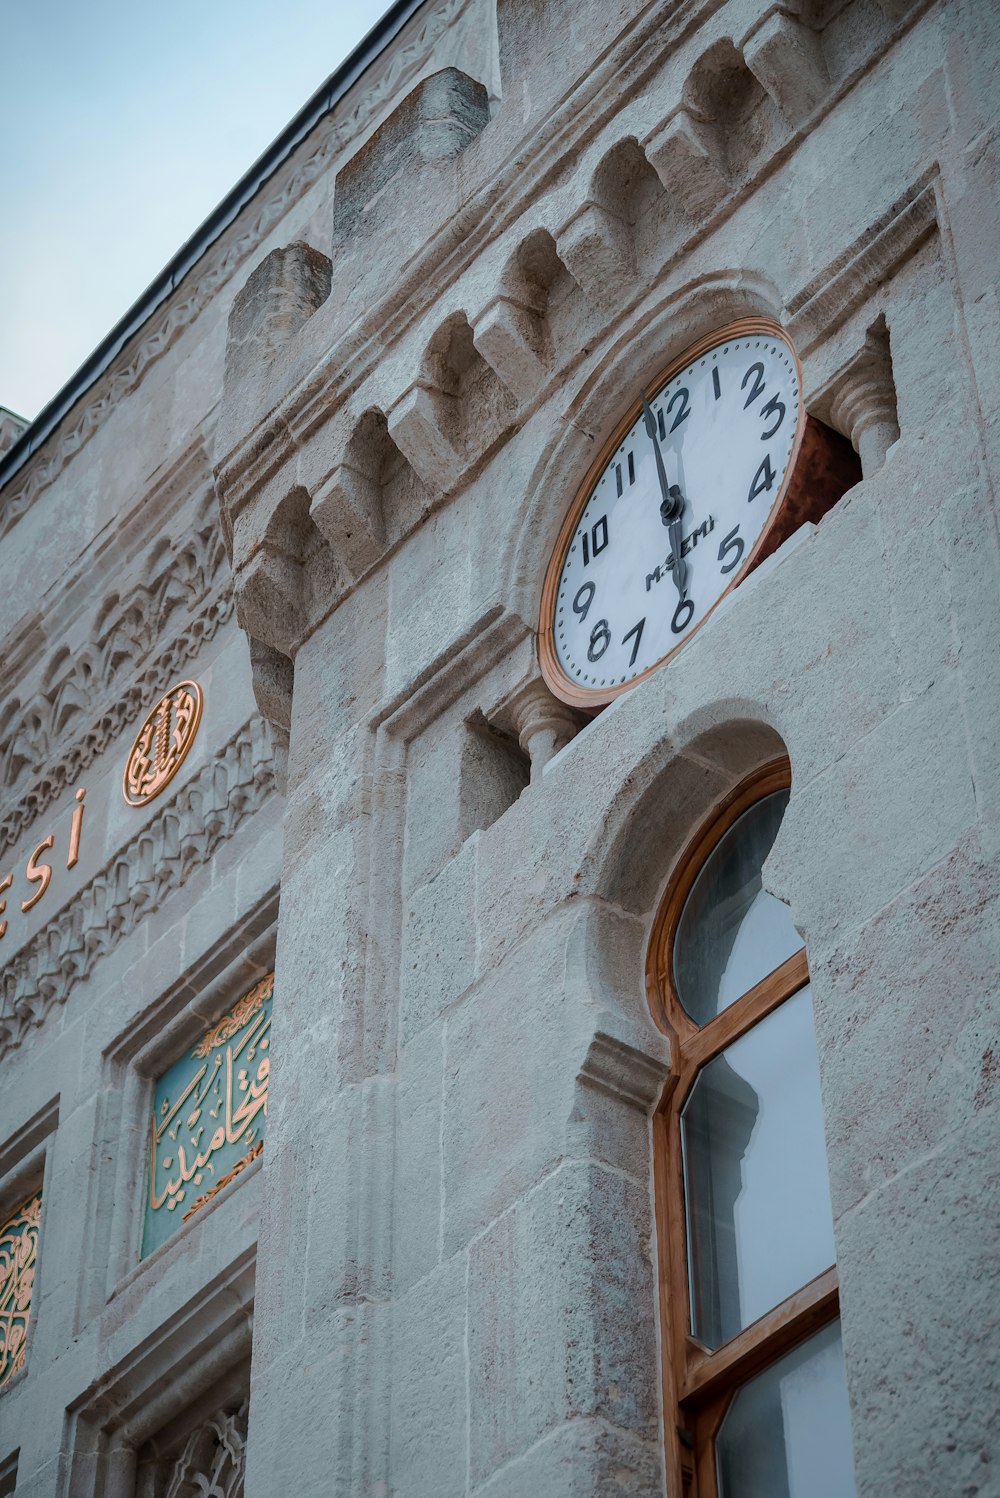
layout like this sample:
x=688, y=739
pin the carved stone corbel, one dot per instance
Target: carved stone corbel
x=506, y=334
x=786, y=58
x=597, y=249
x=685, y=153
x=419, y=426
x=347, y=510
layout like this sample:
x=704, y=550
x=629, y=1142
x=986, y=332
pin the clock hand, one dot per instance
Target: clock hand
x=672, y=503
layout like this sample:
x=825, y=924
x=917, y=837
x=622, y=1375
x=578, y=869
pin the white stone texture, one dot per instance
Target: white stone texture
x=451, y=1230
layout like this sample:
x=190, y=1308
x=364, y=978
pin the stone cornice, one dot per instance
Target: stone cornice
x=533, y=166
x=381, y=87
x=136, y=881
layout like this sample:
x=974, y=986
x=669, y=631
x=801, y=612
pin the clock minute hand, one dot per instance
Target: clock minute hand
x=672, y=503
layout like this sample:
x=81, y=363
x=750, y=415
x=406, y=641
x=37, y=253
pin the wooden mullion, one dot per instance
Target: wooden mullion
x=751, y=1007
x=711, y=1373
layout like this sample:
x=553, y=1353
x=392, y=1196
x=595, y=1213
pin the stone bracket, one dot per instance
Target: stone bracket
x=269, y=597
x=347, y=511
x=506, y=334
x=596, y=248
x=786, y=58
x=417, y=427
x=686, y=157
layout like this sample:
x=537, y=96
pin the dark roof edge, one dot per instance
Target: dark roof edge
x=326, y=97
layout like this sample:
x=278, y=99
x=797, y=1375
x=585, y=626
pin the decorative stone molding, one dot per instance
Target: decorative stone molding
x=623, y=1071
x=383, y=82
x=11, y=427
x=58, y=728
x=829, y=298
x=183, y=837
x=213, y=1463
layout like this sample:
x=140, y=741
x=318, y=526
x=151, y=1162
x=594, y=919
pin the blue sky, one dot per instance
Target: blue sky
x=123, y=124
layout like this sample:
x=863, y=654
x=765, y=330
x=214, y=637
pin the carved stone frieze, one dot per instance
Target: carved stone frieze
x=81, y=707
x=184, y=836
x=382, y=83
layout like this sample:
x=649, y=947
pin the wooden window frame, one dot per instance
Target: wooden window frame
x=698, y=1383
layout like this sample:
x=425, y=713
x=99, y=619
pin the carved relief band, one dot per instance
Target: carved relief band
x=208, y=1115
x=183, y=836
x=18, y=1257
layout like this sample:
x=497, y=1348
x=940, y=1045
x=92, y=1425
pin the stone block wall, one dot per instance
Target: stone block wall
x=435, y=316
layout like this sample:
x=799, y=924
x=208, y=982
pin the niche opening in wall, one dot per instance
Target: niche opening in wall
x=494, y=771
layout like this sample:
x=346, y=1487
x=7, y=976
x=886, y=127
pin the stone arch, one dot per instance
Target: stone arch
x=534, y=274
x=371, y=498
x=738, y=114
x=516, y=330
x=290, y=579
x=648, y=825
x=455, y=410
x=625, y=183
x=654, y=336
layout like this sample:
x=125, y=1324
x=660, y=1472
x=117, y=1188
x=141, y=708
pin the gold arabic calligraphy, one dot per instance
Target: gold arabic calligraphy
x=162, y=742
x=207, y=1118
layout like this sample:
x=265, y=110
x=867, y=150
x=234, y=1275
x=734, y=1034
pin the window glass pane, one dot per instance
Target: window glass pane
x=759, y=1221
x=787, y=1434
x=732, y=933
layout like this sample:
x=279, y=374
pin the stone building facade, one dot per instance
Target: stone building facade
x=277, y=558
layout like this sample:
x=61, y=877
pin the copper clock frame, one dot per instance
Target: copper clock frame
x=818, y=472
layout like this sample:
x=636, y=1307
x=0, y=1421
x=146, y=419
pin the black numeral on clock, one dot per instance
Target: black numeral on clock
x=716, y=382
x=584, y=598
x=685, y=410
x=600, y=639
x=683, y=614
x=733, y=543
x=637, y=631
x=757, y=370
x=762, y=479
x=596, y=542
x=773, y=407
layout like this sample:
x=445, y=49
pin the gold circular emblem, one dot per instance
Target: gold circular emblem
x=162, y=743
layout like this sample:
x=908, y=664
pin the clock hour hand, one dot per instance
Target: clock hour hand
x=672, y=503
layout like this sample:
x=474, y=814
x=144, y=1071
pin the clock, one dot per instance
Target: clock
x=708, y=471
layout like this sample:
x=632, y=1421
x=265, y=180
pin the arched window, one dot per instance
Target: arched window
x=756, y=1397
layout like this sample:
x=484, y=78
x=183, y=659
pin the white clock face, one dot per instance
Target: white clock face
x=726, y=426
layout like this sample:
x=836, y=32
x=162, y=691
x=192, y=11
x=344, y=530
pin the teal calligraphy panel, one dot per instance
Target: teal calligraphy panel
x=208, y=1116
x=18, y=1256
